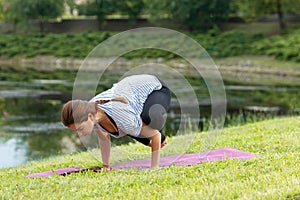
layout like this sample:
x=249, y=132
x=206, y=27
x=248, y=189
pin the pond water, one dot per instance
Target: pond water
x=31, y=100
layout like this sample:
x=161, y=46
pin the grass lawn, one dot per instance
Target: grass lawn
x=274, y=174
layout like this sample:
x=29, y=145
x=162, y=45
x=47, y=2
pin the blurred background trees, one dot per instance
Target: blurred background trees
x=99, y=8
x=20, y=12
x=253, y=9
x=194, y=14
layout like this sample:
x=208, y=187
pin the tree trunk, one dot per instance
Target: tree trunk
x=100, y=16
x=42, y=29
x=281, y=20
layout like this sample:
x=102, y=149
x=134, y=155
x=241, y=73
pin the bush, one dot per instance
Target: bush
x=283, y=47
x=231, y=43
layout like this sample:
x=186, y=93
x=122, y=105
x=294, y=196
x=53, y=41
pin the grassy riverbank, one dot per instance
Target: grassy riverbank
x=275, y=174
x=217, y=44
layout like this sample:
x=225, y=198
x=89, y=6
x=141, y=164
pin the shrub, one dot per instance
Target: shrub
x=231, y=43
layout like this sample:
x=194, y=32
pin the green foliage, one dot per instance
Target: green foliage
x=20, y=12
x=218, y=45
x=39, y=9
x=253, y=9
x=273, y=174
x=194, y=14
x=132, y=8
x=64, y=45
x=197, y=15
x=158, y=10
x=1, y=9
x=99, y=8
x=72, y=5
x=229, y=43
x=283, y=47
x=103, y=8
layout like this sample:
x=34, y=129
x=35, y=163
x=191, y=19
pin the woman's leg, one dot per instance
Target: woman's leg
x=154, y=136
x=154, y=113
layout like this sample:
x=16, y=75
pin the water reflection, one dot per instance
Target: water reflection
x=11, y=153
x=31, y=129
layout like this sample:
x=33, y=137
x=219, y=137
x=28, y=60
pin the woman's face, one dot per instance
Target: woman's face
x=84, y=128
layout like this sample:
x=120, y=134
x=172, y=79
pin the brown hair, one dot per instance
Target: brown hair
x=76, y=111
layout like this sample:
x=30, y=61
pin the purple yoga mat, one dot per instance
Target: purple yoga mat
x=178, y=160
x=188, y=159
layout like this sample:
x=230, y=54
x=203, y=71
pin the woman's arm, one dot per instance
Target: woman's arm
x=155, y=137
x=104, y=143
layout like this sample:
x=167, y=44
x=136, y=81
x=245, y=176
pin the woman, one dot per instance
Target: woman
x=136, y=106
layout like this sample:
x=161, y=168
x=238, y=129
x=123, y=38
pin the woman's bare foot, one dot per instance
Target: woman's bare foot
x=162, y=144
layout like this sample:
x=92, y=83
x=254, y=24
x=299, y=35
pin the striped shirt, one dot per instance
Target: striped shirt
x=135, y=89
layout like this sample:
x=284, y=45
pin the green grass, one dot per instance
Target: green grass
x=273, y=174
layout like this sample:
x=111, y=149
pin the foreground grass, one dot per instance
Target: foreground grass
x=274, y=174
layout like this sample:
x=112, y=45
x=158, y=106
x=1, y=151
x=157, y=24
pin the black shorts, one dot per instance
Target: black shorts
x=155, y=110
x=156, y=107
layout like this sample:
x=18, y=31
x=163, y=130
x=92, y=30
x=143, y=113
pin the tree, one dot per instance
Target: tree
x=253, y=9
x=2, y=9
x=132, y=8
x=72, y=5
x=6, y=13
x=102, y=8
x=197, y=15
x=21, y=12
x=99, y=8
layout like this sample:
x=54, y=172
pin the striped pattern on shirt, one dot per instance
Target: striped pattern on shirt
x=135, y=89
